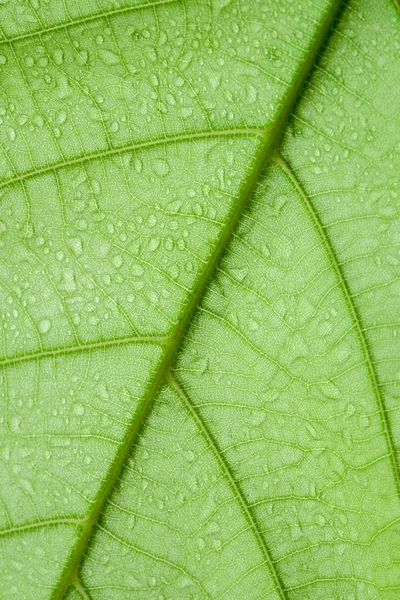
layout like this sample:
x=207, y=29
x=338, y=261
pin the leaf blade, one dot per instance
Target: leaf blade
x=215, y=313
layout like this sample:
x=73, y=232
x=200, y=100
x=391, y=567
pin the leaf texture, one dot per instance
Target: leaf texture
x=200, y=299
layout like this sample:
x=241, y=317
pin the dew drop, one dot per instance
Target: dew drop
x=161, y=167
x=58, y=56
x=79, y=409
x=76, y=246
x=154, y=244
x=265, y=251
x=44, y=325
x=137, y=163
x=117, y=261
x=108, y=58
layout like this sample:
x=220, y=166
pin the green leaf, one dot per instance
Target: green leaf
x=200, y=299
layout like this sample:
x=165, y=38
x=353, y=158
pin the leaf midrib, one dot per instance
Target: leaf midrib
x=271, y=139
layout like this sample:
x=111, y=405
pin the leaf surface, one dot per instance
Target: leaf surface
x=200, y=299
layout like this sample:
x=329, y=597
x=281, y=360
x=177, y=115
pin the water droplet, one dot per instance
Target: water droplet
x=44, y=325
x=108, y=58
x=239, y=274
x=137, y=163
x=117, y=261
x=190, y=456
x=76, y=246
x=15, y=424
x=113, y=127
x=265, y=251
x=154, y=80
x=278, y=203
x=350, y=409
x=69, y=283
x=26, y=486
x=161, y=167
x=58, y=56
x=154, y=244
x=131, y=521
x=253, y=325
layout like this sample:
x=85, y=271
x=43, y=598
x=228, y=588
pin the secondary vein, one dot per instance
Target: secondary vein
x=234, y=485
x=138, y=146
x=66, y=25
x=12, y=360
x=356, y=317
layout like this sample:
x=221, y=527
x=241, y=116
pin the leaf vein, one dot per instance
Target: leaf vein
x=233, y=484
x=66, y=25
x=356, y=317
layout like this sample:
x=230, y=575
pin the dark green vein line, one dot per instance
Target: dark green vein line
x=12, y=360
x=267, y=146
x=356, y=317
x=233, y=484
x=66, y=25
x=140, y=145
x=39, y=524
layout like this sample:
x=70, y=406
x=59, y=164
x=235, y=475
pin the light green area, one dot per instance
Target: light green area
x=199, y=300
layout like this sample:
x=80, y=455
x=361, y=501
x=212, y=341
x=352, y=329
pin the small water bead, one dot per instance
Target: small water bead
x=61, y=117
x=190, y=456
x=58, y=56
x=44, y=325
x=79, y=410
x=76, y=246
x=109, y=58
x=153, y=244
x=15, y=424
x=117, y=261
x=114, y=126
x=161, y=167
x=137, y=163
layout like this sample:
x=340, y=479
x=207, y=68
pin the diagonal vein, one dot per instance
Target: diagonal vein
x=110, y=152
x=48, y=523
x=234, y=485
x=12, y=360
x=268, y=143
x=96, y=17
x=356, y=317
